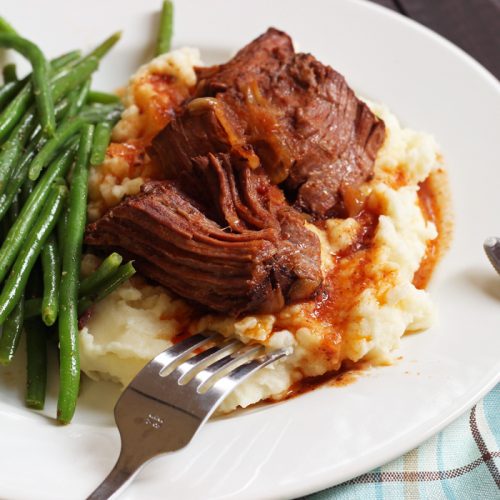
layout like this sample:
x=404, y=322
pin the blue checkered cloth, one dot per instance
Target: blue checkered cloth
x=462, y=462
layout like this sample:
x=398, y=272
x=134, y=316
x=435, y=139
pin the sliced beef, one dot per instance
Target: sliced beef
x=253, y=254
x=265, y=137
x=288, y=112
x=299, y=257
x=265, y=55
x=205, y=126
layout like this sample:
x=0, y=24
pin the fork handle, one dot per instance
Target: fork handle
x=121, y=474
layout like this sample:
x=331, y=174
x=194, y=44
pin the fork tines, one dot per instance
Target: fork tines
x=204, y=359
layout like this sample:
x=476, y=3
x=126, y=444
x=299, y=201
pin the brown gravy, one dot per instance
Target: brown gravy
x=346, y=375
x=342, y=287
x=434, y=201
x=350, y=276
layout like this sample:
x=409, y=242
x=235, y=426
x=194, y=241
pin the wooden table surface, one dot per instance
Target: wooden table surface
x=473, y=25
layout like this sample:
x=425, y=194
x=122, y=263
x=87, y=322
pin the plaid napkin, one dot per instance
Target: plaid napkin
x=462, y=462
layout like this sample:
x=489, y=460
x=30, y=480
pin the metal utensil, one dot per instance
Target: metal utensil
x=173, y=396
x=492, y=249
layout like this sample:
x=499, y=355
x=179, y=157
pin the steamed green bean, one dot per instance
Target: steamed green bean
x=36, y=363
x=165, y=31
x=102, y=137
x=40, y=77
x=45, y=223
x=51, y=266
x=69, y=356
x=22, y=227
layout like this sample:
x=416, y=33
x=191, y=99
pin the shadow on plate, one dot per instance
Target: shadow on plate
x=484, y=281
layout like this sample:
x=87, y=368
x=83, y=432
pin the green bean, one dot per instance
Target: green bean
x=40, y=77
x=12, y=150
x=83, y=69
x=71, y=97
x=14, y=110
x=74, y=77
x=38, y=140
x=33, y=307
x=77, y=98
x=122, y=274
x=51, y=266
x=36, y=363
x=82, y=95
x=26, y=190
x=19, y=174
x=61, y=227
x=9, y=73
x=62, y=108
x=9, y=91
x=22, y=227
x=6, y=27
x=101, y=50
x=68, y=128
x=16, y=180
x=59, y=67
x=5, y=226
x=14, y=210
x=102, y=137
x=11, y=114
x=109, y=265
x=20, y=200
x=69, y=357
x=96, y=96
x=12, y=329
x=165, y=32
x=64, y=61
x=97, y=113
x=11, y=333
x=16, y=282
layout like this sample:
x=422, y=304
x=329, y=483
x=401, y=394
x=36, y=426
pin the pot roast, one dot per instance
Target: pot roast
x=267, y=141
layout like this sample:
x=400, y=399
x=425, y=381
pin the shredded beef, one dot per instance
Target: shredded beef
x=267, y=140
x=254, y=255
x=287, y=112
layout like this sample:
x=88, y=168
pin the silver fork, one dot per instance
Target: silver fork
x=492, y=249
x=173, y=396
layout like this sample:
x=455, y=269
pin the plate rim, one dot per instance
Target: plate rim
x=322, y=484
x=320, y=480
x=491, y=381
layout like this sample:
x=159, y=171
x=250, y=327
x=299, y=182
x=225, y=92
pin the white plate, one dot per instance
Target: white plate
x=333, y=434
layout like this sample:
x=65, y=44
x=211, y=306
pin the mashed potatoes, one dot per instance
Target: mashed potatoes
x=158, y=86
x=371, y=299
